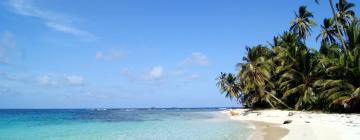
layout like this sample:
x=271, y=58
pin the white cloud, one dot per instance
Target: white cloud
x=53, y=80
x=45, y=80
x=110, y=55
x=8, y=49
x=196, y=58
x=74, y=80
x=53, y=20
x=26, y=8
x=185, y=75
x=70, y=30
x=155, y=73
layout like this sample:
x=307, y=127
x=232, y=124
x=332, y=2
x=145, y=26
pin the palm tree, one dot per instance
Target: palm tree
x=256, y=73
x=292, y=74
x=342, y=89
x=336, y=23
x=328, y=32
x=353, y=35
x=328, y=53
x=345, y=15
x=227, y=83
x=302, y=23
x=298, y=80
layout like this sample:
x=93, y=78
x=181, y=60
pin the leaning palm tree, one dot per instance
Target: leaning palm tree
x=342, y=89
x=256, y=74
x=227, y=84
x=297, y=82
x=328, y=32
x=296, y=70
x=302, y=23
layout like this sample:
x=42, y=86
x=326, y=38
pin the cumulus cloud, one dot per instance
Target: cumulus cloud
x=44, y=80
x=196, y=58
x=52, y=20
x=52, y=80
x=74, y=80
x=8, y=49
x=155, y=73
x=110, y=55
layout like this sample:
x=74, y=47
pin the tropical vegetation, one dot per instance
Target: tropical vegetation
x=288, y=74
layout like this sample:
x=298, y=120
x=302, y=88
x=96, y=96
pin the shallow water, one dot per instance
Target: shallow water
x=120, y=124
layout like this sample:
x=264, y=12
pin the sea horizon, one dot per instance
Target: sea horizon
x=122, y=108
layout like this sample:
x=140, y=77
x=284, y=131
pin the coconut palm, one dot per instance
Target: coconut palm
x=345, y=15
x=298, y=80
x=353, y=35
x=302, y=23
x=328, y=53
x=227, y=83
x=256, y=73
x=328, y=32
x=342, y=89
x=292, y=74
x=339, y=35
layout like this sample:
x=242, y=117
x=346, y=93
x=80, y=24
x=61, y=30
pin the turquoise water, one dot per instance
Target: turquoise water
x=120, y=124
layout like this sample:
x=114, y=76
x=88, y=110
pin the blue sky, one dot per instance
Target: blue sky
x=132, y=53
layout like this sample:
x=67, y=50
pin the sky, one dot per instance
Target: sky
x=132, y=53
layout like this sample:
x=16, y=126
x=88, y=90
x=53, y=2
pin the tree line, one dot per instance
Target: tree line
x=288, y=74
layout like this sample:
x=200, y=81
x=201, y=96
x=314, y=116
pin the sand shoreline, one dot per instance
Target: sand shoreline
x=304, y=125
x=267, y=131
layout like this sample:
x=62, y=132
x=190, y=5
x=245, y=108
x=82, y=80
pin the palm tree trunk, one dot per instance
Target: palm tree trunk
x=337, y=25
x=281, y=102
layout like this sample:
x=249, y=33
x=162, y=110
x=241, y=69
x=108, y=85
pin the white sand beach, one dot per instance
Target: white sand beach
x=303, y=126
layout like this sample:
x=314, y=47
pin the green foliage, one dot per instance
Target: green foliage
x=288, y=74
x=302, y=23
x=328, y=31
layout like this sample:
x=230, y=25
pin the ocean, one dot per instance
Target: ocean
x=120, y=124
